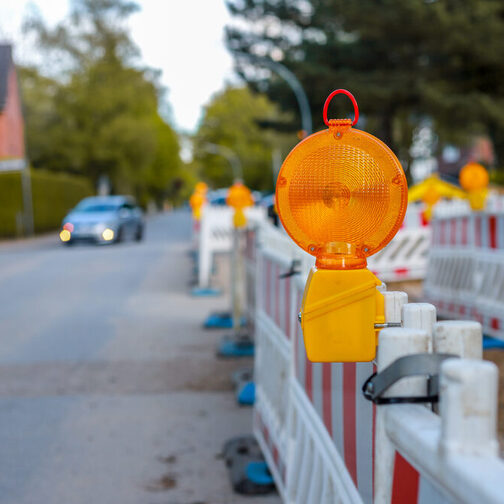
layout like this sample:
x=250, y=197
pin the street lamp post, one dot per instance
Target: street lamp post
x=227, y=153
x=293, y=82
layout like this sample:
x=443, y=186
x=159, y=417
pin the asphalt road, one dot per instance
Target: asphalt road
x=109, y=388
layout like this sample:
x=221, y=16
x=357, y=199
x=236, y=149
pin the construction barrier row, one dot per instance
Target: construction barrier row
x=325, y=442
x=465, y=276
x=405, y=258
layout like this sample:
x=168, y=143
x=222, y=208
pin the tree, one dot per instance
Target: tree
x=97, y=113
x=231, y=120
x=164, y=177
x=403, y=60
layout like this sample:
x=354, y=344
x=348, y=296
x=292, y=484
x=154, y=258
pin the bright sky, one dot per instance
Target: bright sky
x=183, y=38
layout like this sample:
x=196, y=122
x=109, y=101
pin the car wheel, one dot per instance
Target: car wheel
x=139, y=233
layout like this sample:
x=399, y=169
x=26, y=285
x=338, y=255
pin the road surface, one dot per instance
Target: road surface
x=109, y=388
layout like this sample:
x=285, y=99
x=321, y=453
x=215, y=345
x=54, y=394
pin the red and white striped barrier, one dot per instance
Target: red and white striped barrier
x=274, y=324
x=325, y=443
x=466, y=269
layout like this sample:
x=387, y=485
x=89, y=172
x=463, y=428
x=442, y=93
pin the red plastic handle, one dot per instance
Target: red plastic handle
x=347, y=93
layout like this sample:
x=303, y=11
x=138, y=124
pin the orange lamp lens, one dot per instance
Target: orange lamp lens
x=201, y=187
x=239, y=196
x=341, y=195
x=473, y=177
x=431, y=196
x=197, y=200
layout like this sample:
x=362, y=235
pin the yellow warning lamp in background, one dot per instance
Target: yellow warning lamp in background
x=198, y=199
x=239, y=197
x=341, y=195
x=431, y=190
x=474, y=179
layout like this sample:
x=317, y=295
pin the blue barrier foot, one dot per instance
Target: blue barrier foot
x=221, y=320
x=237, y=346
x=490, y=343
x=205, y=292
x=246, y=394
x=258, y=473
x=248, y=471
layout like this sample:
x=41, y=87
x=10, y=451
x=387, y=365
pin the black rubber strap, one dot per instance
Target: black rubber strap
x=410, y=365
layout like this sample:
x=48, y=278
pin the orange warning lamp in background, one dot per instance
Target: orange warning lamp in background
x=341, y=195
x=430, y=198
x=474, y=179
x=201, y=187
x=198, y=199
x=239, y=197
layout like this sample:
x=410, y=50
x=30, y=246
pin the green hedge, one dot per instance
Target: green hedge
x=53, y=195
x=10, y=202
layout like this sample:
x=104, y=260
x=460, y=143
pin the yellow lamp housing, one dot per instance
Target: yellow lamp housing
x=338, y=315
x=341, y=196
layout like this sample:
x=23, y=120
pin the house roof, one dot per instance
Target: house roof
x=5, y=64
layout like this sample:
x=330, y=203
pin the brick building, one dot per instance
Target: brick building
x=12, y=146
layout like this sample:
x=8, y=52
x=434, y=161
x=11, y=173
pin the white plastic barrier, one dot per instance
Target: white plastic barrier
x=466, y=268
x=274, y=325
x=495, y=202
x=405, y=257
x=325, y=443
x=216, y=235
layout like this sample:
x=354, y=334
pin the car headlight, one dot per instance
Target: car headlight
x=65, y=235
x=108, y=234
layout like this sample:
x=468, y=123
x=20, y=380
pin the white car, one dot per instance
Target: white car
x=103, y=219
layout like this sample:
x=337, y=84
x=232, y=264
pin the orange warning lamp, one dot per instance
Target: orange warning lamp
x=341, y=195
x=474, y=179
x=239, y=197
x=198, y=199
x=430, y=198
x=201, y=187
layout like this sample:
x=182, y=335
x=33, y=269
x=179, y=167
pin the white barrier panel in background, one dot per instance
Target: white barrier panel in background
x=466, y=268
x=216, y=235
x=325, y=443
x=404, y=258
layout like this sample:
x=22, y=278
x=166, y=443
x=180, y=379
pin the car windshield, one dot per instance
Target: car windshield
x=97, y=207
